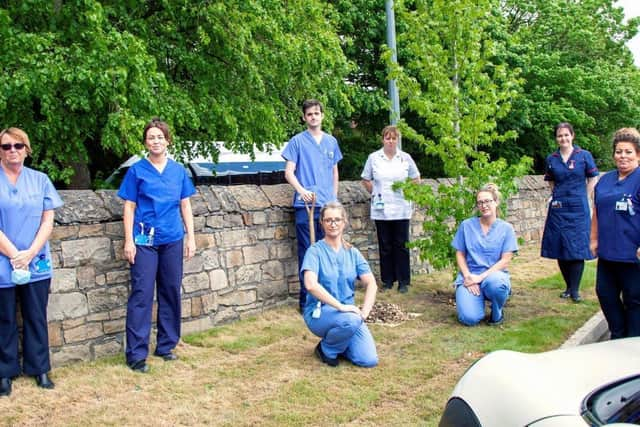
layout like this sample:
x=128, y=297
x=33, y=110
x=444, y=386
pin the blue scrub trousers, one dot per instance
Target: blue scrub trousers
x=495, y=288
x=618, y=290
x=393, y=236
x=344, y=333
x=160, y=265
x=304, y=241
x=34, y=298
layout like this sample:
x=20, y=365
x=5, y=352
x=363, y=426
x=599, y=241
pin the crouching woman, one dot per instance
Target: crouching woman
x=330, y=269
x=484, y=247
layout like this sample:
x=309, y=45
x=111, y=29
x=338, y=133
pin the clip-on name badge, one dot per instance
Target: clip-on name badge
x=143, y=239
x=556, y=204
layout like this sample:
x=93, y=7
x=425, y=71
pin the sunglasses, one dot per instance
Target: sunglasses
x=18, y=146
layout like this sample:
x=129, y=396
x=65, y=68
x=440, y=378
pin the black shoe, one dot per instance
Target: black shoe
x=565, y=295
x=5, y=386
x=403, y=289
x=498, y=322
x=44, y=381
x=576, y=298
x=139, y=366
x=329, y=361
x=168, y=357
x=387, y=286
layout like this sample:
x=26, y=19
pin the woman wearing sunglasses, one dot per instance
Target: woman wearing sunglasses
x=330, y=269
x=484, y=247
x=27, y=203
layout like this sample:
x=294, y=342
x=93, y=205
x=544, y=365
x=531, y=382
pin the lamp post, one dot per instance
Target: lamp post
x=391, y=42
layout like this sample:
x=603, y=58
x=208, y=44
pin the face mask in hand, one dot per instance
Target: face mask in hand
x=20, y=277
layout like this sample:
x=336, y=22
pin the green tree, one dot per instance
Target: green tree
x=456, y=80
x=83, y=76
x=576, y=68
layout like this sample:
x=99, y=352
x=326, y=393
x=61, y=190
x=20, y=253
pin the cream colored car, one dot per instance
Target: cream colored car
x=589, y=385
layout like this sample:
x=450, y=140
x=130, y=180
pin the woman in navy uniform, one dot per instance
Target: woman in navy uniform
x=27, y=203
x=615, y=237
x=570, y=172
x=157, y=211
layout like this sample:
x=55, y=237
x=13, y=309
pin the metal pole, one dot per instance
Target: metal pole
x=394, y=115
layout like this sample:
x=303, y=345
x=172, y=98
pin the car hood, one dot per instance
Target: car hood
x=512, y=388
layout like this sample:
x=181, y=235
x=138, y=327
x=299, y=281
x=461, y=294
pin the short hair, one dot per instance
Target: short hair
x=157, y=123
x=563, y=125
x=18, y=134
x=492, y=189
x=391, y=129
x=627, y=135
x=311, y=103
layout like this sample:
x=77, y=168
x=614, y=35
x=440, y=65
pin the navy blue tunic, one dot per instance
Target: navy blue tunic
x=568, y=226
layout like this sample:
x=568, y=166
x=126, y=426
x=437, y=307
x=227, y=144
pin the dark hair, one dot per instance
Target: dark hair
x=563, y=125
x=311, y=103
x=157, y=123
x=627, y=135
x=393, y=129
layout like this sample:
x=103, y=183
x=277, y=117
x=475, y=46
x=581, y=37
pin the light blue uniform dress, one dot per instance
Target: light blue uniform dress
x=314, y=170
x=21, y=209
x=342, y=333
x=157, y=196
x=481, y=252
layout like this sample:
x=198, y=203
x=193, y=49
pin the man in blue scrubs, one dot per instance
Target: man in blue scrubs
x=312, y=170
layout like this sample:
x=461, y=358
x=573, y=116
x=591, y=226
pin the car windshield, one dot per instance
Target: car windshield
x=616, y=403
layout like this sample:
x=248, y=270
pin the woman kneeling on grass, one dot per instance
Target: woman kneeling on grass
x=330, y=269
x=484, y=247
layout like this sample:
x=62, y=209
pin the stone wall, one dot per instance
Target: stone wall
x=246, y=259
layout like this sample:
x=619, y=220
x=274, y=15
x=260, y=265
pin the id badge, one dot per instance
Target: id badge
x=622, y=206
x=556, y=204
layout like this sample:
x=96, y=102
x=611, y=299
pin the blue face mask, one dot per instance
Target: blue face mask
x=20, y=277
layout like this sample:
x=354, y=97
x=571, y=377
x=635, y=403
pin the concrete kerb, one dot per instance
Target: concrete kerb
x=594, y=330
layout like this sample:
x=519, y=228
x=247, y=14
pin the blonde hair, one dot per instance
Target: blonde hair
x=343, y=213
x=492, y=189
x=18, y=134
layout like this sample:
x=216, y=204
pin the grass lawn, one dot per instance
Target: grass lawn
x=261, y=371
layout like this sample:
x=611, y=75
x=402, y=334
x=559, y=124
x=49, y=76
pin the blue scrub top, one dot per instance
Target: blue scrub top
x=618, y=229
x=337, y=271
x=567, y=228
x=314, y=165
x=570, y=178
x=21, y=209
x=157, y=197
x=483, y=251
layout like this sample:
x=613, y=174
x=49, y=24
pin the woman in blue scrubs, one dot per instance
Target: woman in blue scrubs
x=571, y=173
x=484, y=247
x=615, y=237
x=27, y=203
x=330, y=269
x=157, y=211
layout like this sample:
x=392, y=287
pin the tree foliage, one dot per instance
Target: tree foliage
x=457, y=81
x=83, y=76
x=575, y=67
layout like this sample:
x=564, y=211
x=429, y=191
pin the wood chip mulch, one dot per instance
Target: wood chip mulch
x=384, y=312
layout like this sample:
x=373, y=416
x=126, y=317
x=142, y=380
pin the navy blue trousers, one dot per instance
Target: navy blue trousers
x=618, y=290
x=35, y=335
x=394, y=255
x=304, y=241
x=161, y=266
